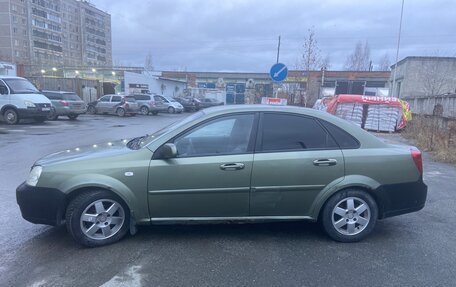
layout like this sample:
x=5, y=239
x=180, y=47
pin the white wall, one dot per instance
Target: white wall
x=155, y=84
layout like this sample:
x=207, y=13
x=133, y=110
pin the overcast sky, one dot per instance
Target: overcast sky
x=241, y=35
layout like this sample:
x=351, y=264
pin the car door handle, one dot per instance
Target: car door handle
x=232, y=166
x=325, y=162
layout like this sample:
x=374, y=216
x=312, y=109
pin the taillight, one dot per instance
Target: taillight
x=417, y=159
x=64, y=103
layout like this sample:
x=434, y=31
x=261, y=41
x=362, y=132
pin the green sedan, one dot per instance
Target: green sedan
x=229, y=163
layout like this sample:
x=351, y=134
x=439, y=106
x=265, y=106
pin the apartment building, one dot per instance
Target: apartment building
x=40, y=34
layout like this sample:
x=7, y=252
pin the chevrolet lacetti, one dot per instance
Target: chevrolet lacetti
x=230, y=163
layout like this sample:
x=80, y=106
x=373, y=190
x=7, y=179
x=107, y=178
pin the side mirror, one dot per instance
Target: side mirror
x=167, y=151
x=3, y=90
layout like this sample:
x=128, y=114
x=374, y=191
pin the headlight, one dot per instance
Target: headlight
x=29, y=104
x=34, y=175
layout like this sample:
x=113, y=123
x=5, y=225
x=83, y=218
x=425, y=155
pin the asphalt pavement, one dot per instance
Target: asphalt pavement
x=417, y=249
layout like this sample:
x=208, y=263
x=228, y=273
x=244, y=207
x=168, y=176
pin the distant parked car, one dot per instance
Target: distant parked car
x=169, y=104
x=189, y=104
x=120, y=105
x=206, y=103
x=147, y=104
x=65, y=104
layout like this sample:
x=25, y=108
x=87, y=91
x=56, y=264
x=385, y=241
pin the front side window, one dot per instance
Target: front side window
x=226, y=135
x=105, y=99
x=116, y=99
x=281, y=132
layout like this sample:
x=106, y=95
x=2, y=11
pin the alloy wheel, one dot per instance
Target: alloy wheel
x=351, y=216
x=102, y=219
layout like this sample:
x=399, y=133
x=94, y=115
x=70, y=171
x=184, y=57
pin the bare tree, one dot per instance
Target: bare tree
x=311, y=58
x=148, y=64
x=384, y=63
x=359, y=59
x=434, y=78
x=326, y=62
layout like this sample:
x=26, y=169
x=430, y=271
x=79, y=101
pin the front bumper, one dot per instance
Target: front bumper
x=41, y=205
x=32, y=113
x=401, y=198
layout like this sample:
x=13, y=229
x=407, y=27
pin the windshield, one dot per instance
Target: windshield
x=71, y=97
x=148, y=139
x=21, y=86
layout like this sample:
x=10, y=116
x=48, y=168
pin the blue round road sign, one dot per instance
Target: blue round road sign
x=278, y=72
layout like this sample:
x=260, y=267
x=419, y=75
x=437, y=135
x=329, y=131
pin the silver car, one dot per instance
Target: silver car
x=169, y=104
x=67, y=104
x=120, y=105
x=148, y=104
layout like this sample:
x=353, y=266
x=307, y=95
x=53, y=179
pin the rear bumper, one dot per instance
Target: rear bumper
x=40, y=205
x=397, y=199
x=66, y=112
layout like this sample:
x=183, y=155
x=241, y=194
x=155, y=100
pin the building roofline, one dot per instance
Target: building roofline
x=409, y=58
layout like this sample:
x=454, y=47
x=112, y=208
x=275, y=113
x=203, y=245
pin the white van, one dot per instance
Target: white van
x=19, y=99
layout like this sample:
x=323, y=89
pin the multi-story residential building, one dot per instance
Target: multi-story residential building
x=40, y=34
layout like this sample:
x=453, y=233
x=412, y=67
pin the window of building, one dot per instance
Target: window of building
x=14, y=30
x=283, y=132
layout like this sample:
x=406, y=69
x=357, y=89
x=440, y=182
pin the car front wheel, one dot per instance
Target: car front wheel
x=120, y=112
x=349, y=215
x=91, y=110
x=97, y=218
x=11, y=117
x=171, y=110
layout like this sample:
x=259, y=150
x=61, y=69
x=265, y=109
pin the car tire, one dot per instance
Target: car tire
x=73, y=117
x=11, y=117
x=120, y=112
x=40, y=119
x=171, y=110
x=97, y=218
x=144, y=110
x=349, y=215
x=91, y=110
x=52, y=116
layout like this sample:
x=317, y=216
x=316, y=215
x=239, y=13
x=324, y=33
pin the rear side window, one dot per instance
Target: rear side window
x=71, y=97
x=282, y=132
x=53, y=96
x=130, y=99
x=116, y=99
x=142, y=97
x=344, y=139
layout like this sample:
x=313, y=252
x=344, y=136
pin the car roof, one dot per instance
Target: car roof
x=10, y=77
x=57, y=92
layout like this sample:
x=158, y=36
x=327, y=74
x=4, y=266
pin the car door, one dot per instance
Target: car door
x=210, y=177
x=114, y=104
x=295, y=159
x=4, y=95
x=161, y=102
x=103, y=104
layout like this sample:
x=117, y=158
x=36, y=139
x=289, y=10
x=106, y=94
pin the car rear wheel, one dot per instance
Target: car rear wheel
x=171, y=110
x=144, y=110
x=73, y=117
x=120, y=112
x=349, y=215
x=11, y=117
x=97, y=218
x=91, y=110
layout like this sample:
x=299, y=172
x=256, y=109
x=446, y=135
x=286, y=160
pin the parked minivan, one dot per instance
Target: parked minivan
x=65, y=104
x=120, y=105
x=148, y=104
x=20, y=99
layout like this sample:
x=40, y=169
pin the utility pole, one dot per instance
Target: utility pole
x=397, y=51
x=278, y=50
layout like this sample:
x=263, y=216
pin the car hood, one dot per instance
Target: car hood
x=95, y=151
